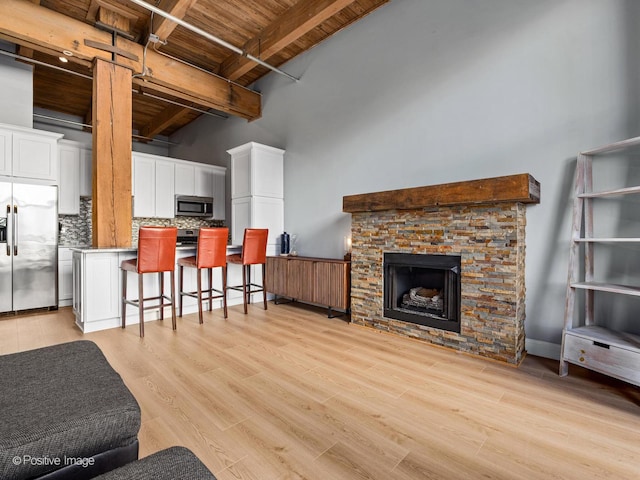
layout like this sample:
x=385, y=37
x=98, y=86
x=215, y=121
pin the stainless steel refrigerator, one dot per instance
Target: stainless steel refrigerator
x=28, y=246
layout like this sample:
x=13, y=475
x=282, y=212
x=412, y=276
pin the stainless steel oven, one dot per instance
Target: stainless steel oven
x=194, y=206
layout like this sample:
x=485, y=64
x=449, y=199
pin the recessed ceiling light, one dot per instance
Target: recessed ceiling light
x=67, y=53
x=63, y=59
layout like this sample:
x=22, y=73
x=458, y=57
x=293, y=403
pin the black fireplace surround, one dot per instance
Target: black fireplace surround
x=423, y=289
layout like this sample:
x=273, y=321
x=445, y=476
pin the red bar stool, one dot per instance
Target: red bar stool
x=156, y=254
x=211, y=253
x=254, y=252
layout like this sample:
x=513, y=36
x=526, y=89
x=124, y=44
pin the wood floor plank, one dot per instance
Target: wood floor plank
x=288, y=393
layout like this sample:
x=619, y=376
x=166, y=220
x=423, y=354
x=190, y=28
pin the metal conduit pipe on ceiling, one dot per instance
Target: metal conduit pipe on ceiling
x=213, y=38
x=88, y=77
x=140, y=138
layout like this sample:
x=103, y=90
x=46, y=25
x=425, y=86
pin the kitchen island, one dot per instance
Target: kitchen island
x=97, y=286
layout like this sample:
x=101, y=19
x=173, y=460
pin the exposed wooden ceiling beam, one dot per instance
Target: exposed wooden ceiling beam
x=163, y=120
x=297, y=21
x=163, y=27
x=41, y=28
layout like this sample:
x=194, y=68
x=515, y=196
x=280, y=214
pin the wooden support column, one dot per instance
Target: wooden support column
x=112, y=122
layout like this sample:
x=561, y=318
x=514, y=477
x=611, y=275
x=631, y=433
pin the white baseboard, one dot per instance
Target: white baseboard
x=540, y=348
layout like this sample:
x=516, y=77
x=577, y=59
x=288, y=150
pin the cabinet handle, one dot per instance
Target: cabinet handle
x=601, y=345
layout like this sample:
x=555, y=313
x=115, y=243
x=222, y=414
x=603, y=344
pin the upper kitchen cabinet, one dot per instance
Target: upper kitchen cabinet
x=257, y=170
x=68, y=177
x=153, y=186
x=86, y=171
x=28, y=153
x=5, y=152
x=185, y=178
x=201, y=180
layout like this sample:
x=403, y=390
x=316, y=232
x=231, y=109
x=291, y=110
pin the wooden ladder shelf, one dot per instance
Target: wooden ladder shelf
x=590, y=344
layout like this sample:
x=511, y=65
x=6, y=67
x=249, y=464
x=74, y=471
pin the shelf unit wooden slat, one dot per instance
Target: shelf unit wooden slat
x=608, y=287
x=612, y=147
x=608, y=240
x=610, y=193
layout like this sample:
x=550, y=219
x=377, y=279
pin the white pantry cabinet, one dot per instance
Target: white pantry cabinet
x=257, y=191
x=28, y=153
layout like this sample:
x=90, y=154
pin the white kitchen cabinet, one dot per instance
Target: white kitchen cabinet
x=68, y=178
x=164, y=185
x=185, y=179
x=86, y=172
x=35, y=156
x=257, y=191
x=258, y=170
x=219, y=196
x=96, y=290
x=144, y=187
x=65, y=277
x=5, y=151
x=203, y=181
x=28, y=153
x=153, y=186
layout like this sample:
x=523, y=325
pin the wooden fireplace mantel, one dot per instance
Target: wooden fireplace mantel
x=521, y=188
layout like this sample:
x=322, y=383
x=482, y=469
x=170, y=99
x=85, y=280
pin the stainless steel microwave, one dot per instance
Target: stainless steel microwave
x=189, y=206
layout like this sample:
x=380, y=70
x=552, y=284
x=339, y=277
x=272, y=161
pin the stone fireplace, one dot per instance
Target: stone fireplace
x=478, y=225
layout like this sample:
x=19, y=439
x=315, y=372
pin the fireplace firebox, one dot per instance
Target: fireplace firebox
x=423, y=289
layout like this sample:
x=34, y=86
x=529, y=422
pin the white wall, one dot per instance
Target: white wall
x=424, y=92
x=16, y=90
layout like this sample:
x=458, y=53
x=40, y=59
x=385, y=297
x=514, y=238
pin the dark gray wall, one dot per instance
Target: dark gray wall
x=424, y=92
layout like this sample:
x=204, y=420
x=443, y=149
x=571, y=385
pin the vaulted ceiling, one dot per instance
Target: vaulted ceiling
x=182, y=68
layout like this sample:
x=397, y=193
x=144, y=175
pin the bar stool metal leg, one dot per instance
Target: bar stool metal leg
x=172, y=277
x=264, y=285
x=224, y=289
x=244, y=287
x=141, y=305
x=199, y=291
x=180, y=288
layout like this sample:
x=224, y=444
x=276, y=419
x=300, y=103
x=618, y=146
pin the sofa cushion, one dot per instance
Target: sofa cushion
x=175, y=463
x=59, y=403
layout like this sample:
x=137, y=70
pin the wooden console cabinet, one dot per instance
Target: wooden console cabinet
x=320, y=281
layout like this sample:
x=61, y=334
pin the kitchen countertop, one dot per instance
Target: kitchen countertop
x=89, y=249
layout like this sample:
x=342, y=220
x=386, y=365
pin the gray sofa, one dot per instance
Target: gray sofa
x=64, y=413
x=175, y=463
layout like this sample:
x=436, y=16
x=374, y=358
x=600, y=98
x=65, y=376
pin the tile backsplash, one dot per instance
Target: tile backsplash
x=76, y=229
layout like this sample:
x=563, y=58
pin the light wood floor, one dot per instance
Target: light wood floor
x=291, y=394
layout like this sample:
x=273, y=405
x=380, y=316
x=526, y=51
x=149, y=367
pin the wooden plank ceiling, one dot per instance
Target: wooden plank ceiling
x=184, y=68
